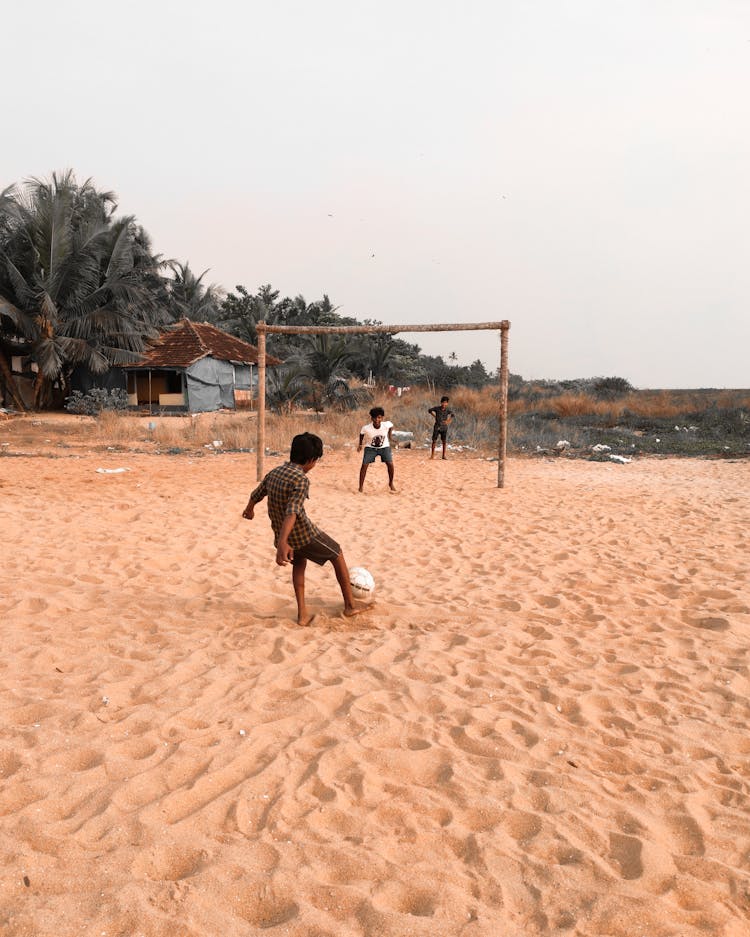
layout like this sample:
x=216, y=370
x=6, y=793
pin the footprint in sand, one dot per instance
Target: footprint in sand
x=33, y=605
x=29, y=715
x=81, y=759
x=9, y=763
x=406, y=899
x=625, y=852
x=262, y=904
x=168, y=863
x=712, y=624
x=136, y=749
x=686, y=835
x=521, y=825
x=548, y=601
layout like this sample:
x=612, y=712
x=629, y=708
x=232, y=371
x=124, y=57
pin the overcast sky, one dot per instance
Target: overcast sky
x=579, y=167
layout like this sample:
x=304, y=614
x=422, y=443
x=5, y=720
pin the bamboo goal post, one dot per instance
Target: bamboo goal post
x=502, y=327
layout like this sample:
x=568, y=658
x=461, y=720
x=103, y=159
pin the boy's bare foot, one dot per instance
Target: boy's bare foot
x=393, y=490
x=357, y=610
x=306, y=621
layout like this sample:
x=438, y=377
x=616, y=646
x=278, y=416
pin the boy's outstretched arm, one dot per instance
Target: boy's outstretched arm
x=257, y=495
x=249, y=512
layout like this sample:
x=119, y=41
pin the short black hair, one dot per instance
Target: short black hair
x=305, y=448
x=444, y=399
x=377, y=411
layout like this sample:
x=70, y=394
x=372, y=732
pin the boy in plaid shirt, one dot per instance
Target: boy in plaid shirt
x=296, y=538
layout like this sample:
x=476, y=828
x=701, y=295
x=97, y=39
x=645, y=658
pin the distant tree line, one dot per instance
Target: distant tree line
x=81, y=287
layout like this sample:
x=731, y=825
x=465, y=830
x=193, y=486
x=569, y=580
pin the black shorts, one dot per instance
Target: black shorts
x=320, y=549
x=442, y=433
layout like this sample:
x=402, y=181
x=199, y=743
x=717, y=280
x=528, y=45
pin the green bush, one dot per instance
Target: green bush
x=96, y=400
x=610, y=388
x=719, y=422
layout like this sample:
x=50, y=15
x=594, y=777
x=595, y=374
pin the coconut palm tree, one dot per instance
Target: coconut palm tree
x=378, y=349
x=241, y=312
x=286, y=385
x=190, y=298
x=322, y=362
x=78, y=284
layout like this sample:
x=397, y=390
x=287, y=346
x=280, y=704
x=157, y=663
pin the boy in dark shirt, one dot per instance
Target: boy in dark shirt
x=443, y=417
x=296, y=538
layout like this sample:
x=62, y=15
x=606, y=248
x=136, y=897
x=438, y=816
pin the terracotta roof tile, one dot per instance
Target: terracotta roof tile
x=187, y=342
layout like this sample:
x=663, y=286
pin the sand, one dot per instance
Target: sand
x=540, y=729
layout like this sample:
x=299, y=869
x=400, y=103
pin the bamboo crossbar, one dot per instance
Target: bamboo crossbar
x=376, y=329
x=262, y=328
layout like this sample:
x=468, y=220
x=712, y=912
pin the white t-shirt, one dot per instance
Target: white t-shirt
x=377, y=438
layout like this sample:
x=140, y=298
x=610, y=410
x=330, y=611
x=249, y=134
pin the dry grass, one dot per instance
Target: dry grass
x=234, y=431
x=567, y=405
x=484, y=403
x=536, y=421
x=115, y=428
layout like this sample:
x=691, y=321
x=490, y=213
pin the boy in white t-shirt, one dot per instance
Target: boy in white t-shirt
x=376, y=439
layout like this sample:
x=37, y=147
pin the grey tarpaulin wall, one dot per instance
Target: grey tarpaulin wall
x=244, y=379
x=210, y=385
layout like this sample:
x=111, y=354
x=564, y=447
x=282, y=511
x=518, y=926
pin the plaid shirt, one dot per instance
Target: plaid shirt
x=287, y=486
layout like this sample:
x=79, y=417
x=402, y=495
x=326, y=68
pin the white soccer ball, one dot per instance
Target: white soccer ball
x=362, y=583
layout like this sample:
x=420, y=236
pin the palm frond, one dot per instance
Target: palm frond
x=56, y=241
x=26, y=294
x=82, y=271
x=119, y=356
x=78, y=351
x=8, y=310
x=49, y=356
x=9, y=213
x=48, y=308
x=121, y=255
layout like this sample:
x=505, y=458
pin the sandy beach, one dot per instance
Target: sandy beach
x=541, y=728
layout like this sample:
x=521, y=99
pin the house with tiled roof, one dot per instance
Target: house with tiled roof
x=195, y=367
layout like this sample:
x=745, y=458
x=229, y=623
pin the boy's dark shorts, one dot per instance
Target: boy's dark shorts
x=442, y=433
x=372, y=452
x=320, y=549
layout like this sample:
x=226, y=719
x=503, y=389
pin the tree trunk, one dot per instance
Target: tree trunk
x=9, y=383
x=42, y=391
x=65, y=385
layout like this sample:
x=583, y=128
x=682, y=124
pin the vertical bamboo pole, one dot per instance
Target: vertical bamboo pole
x=261, y=447
x=503, y=435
